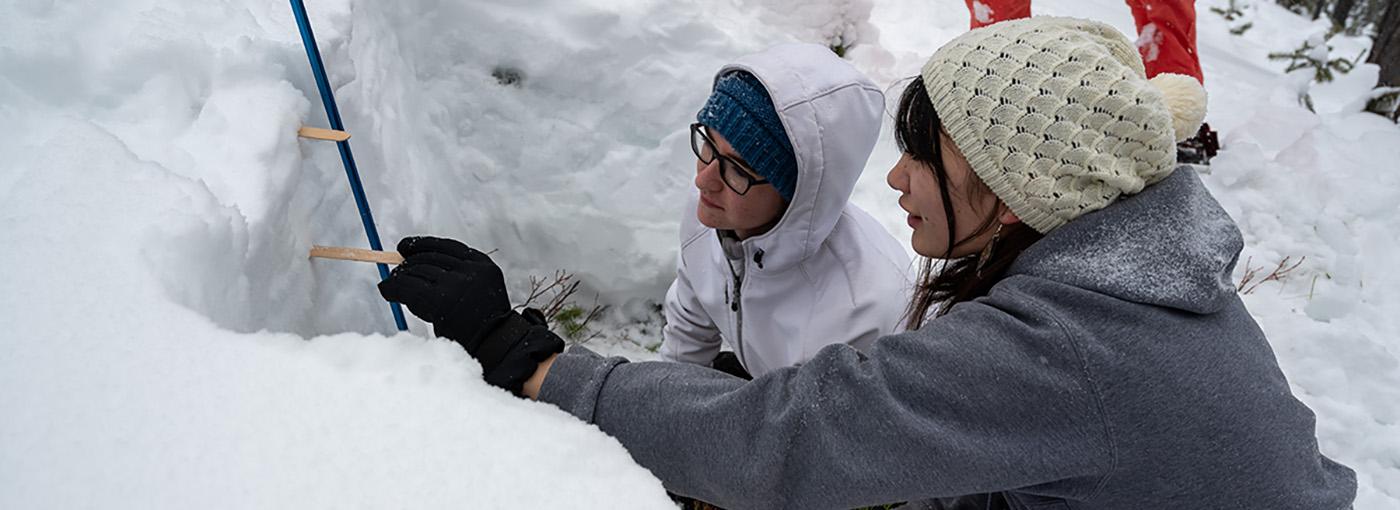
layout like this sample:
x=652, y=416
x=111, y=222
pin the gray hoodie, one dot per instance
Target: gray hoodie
x=1114, y=367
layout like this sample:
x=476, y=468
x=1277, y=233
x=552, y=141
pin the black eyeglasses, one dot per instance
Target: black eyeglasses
x=736, y=175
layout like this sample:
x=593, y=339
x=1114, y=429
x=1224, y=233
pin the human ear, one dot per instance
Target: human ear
x=1007, y=217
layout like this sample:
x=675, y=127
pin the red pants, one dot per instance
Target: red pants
x=1166, y=30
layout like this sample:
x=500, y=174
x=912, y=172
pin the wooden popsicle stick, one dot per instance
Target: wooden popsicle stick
x=316, y=133
x=356, y=254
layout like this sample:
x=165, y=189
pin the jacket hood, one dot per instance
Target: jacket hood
x=831, y=113
x=1171, y=245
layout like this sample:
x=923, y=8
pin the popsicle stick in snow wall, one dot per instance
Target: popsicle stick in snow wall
x=313, y=54
x=316, y=133
x=356, y=254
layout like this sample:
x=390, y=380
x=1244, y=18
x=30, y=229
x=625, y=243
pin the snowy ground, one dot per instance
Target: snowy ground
x=167, y=344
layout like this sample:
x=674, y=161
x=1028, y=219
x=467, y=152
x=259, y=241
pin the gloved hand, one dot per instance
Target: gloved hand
x=462, y=293
x=456, y=288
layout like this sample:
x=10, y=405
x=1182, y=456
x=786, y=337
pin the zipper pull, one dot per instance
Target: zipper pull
x=734, y=303
x=758, y=258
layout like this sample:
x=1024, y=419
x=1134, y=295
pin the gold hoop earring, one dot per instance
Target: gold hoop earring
x=987, y=250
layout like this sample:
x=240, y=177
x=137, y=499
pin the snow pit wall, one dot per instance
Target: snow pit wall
x=573, y=165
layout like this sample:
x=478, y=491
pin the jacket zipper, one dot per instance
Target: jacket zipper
x=738, y=315
x=739, y=310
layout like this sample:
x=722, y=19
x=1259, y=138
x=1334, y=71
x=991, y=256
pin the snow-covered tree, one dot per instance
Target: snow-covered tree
x=1386, y=54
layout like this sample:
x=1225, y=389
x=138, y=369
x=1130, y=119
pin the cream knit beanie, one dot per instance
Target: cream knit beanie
x=1056, y=115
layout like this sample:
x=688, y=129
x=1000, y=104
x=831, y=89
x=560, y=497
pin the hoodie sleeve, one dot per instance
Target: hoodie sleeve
x=993, y=395
x=689, y=335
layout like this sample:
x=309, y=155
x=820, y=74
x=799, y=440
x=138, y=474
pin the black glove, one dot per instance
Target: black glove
x=456, y=288
x=463, y=294
x=512, y=351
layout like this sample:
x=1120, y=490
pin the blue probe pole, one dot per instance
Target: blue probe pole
x=333, y=114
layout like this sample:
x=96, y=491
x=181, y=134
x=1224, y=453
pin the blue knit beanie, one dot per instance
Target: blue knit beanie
x=741, y=110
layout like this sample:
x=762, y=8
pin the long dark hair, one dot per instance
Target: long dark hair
x=916, y=131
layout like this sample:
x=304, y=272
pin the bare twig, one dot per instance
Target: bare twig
x=1250, y=282
x=577, y=321
x=1249, y=273
x=555, y=295
x=593, y=313
x=559, y=288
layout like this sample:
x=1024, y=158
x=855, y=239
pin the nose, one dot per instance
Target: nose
x=707, y=176
x=898, y=178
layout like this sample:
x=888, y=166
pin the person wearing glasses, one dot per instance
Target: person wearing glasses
x=775, y=261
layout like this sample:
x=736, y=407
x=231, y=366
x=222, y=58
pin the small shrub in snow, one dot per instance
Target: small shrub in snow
x=1230, y=12
x=572, y=321
x=565, y=317
x=1234, y=13
x=1315, y=53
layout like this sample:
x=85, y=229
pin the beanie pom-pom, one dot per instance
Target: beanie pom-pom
x=1186, y=99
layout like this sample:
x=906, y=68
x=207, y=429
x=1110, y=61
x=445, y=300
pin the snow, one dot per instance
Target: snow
x=113, y=392
x=167, y=343
x=982, y=12
x=831, y=22
x=1149, y=42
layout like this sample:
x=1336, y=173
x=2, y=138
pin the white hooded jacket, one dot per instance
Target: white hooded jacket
x=827, y=272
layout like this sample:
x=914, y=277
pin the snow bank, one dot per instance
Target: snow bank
x=115, y=395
